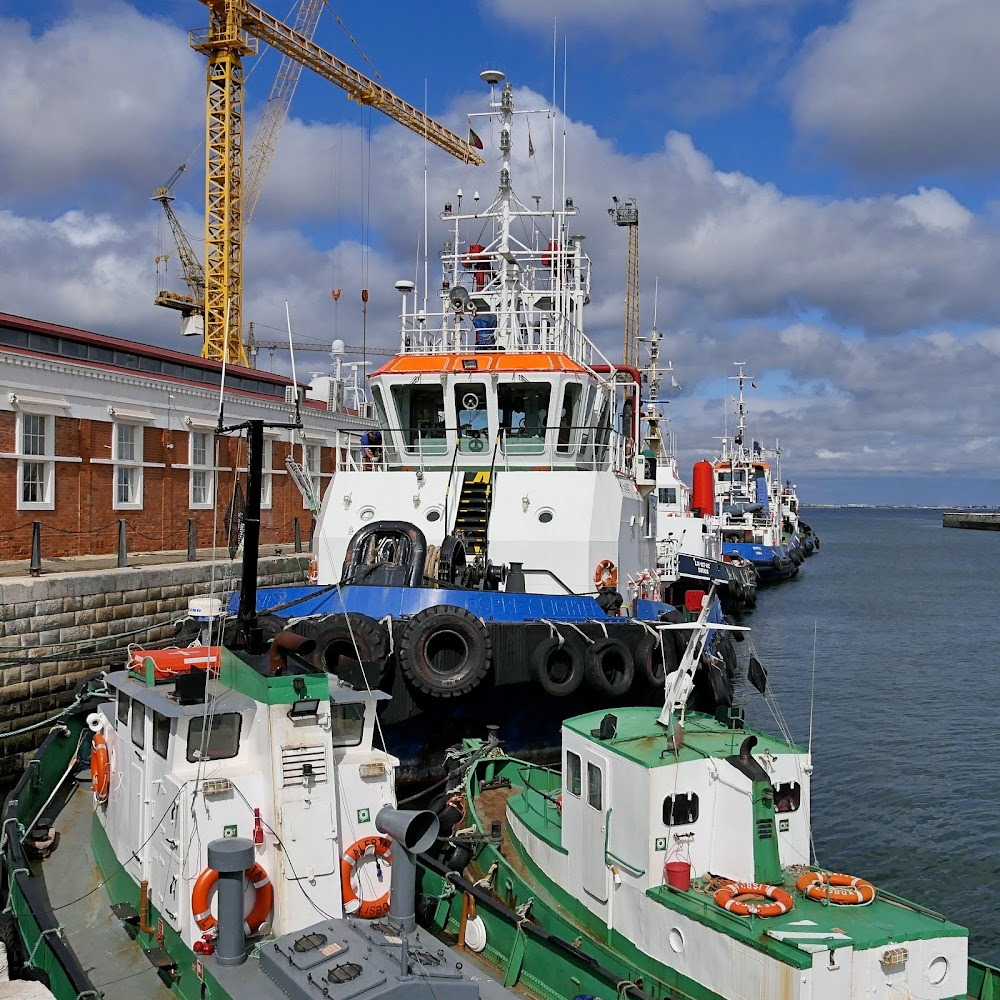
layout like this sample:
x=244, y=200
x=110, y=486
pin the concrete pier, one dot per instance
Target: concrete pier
x=984, y=522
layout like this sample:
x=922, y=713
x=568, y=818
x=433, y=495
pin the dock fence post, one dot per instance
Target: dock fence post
x=35, y=569
x=122, y=553
x=192, y=550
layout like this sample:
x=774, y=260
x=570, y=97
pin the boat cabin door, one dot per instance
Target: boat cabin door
x=595, y=869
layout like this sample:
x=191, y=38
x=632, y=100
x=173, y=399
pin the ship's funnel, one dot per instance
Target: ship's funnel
x=412, y=832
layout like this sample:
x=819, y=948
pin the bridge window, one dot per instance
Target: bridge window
x=421, y=417
x=572, y=773
x=473, y=418
x=787, y=796
x=595, y=786
x=522, y=410
x=220, y=742
x=569, y=416
x=123, y=703
x=680, y=809
x=347, y=724
x=139, y=725
x=161, y=734
x=667, y=494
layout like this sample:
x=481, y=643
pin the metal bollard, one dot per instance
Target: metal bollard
x=230, y=858
x=192, y=550
x=298, y=536
x=122, y=553
x=35, y=569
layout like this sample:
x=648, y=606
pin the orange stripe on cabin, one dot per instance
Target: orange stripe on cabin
x=486, y=361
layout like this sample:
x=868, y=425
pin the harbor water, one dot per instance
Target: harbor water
x=904, y=720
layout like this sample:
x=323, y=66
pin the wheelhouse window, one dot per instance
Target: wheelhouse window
x=36, y=472
x=123, y=703
x=667, y=494
x=126, y=447
x=573, y=780
x=595, y=790
x=383, y=421
x=161, y=734
x=680, y=809
x=569, y=417
x=787, y=796
x=201, y=460
x=139, y=725
x=522, y=412
x=347, y=724
x=219, y=742
x=421, y=417
x=473, y=418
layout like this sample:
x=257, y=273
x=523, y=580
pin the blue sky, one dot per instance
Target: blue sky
x=816, y=182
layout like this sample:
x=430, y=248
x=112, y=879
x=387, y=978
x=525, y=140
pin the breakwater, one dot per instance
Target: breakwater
x=970, y=519
x=57, y=630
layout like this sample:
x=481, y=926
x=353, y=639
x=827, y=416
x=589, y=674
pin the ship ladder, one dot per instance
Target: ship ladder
x=473, y=515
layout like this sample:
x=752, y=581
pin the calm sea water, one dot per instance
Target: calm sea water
x=906, y=787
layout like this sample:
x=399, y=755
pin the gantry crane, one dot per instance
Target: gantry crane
x=192, y=304
x=235, y=27
x=626, y=213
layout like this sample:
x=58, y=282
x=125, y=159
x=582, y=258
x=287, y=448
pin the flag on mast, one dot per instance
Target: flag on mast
x=474, y=140
x=531, y=146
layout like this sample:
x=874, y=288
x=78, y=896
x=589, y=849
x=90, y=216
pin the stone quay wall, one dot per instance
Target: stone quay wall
x=57, y=630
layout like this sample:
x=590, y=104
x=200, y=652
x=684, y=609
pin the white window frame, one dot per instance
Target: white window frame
x=45, y=460
x=314, y=473
x=206, y=468
x=131, y=466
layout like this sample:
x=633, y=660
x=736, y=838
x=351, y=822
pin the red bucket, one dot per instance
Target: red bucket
x=678, y=875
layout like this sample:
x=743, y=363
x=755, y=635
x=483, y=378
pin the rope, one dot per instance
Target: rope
x=38, y=725
x=58, y=929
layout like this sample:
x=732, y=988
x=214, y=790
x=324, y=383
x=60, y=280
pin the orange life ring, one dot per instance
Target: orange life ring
x=606, y=571
x=726, y=898
x=840, y=888
x=100, y=768
x=368, y=909
x=263, y=900
x=558, y=803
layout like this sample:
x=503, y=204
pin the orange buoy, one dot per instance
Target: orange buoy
x=781, y=901
x=263, y=898
x=606, y=575
x=100, y=768
x=368, y=909
x=835, y=887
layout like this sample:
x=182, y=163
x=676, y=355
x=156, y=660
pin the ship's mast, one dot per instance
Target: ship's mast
x=739, y=438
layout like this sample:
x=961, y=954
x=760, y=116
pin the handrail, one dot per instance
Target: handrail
x=447, y=489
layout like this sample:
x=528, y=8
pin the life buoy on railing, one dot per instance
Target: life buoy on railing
x=781, y=901
x=606, y=574
x=835, y=887
x=368, y=909
x=263, y=899
x=100, y=768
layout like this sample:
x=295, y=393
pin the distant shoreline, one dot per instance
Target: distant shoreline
x=956, y=508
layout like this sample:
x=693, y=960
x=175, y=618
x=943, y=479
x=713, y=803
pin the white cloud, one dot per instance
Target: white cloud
x=904, y=87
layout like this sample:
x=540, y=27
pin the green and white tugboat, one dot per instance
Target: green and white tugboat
x=673, y=850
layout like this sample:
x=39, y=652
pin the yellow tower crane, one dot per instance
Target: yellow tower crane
x=626, y=213
x=235, y=27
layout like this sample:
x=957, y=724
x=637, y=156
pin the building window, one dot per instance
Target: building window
x=311, y=462
x=36, y=472
x=126, y=448
x=572, y=773
x=202, y=469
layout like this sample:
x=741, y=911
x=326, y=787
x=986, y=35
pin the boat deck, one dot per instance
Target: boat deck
x=75, y=889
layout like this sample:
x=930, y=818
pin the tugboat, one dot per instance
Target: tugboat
x=751, y=521
x=674, y=849
x=494, y=546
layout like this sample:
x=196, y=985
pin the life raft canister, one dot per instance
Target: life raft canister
x=169, y=663
x=368, y=909
x=782, y=902
x=263, y=899
x=606, y=574
x=836, y=887
x=100, y=768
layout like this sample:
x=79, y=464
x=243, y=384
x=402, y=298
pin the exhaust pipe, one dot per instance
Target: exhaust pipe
x=284, y=643
x=412, y=832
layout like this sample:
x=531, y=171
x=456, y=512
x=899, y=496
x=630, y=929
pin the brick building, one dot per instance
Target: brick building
x=94, y=430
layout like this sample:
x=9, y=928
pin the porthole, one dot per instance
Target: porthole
x=434, y=514
x=676, y=939
x=366, y=513
x=937, y=970
x=546, y=515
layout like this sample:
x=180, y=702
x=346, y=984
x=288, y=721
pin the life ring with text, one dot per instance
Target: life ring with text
x=836, y=887
x=367, y=909
x=100, y=769
x=263, y=898
x=781, y=901
x=606, y=574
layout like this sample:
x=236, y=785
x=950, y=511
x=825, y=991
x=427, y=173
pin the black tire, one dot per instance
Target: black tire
x=445, y=651
x=449, y=816
x=654, y=661
x=336, y=638
x=728, y=654
x=12, y=942
x=457, y=858
x=776, y=562
x=609, y=667
x=558, y=667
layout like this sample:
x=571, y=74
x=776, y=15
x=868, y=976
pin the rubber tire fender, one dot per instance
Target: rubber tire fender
x=776, y=562
x=334, y=639
x=652, y=665
x=602, y=654
x=728, y=654
x=428, y=635
x=551, y=653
